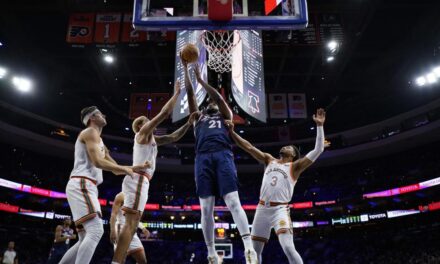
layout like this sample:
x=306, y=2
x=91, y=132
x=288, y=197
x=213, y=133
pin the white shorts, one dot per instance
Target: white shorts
x=82, y=195
x=135, y=244
x=266, y=218
x=135, y=193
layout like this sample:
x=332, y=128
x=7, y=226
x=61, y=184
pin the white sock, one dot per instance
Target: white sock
x=207, y=208
x=70, y=256
x=258, y=246
x=240, y=219
x=286, y=241
x=94, y=231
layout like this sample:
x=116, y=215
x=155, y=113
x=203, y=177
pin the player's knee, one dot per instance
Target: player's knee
x=207, y=212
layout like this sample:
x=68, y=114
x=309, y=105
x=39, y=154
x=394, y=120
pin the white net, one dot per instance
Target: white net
x=220, y=44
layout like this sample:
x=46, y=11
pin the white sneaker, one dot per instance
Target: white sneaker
x=213, y=259
x=251, y=256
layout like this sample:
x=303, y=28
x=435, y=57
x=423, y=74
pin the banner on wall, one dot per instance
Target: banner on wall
x=107, y=28
x=278, y=106
x=80, y=28
x=129, y=34
x=147, y=104
x=297, y=105
x=158, y=100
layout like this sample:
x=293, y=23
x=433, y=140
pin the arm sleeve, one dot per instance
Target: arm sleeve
x=319, y=145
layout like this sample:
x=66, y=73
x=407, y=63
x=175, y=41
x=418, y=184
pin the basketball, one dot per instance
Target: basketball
x=190, y=53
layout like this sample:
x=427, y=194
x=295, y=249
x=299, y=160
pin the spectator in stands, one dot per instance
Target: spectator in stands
x=10, y=255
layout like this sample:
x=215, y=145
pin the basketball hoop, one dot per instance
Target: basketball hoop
x=220, y=45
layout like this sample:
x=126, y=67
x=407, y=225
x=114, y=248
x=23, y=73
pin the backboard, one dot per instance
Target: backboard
x=192, y=15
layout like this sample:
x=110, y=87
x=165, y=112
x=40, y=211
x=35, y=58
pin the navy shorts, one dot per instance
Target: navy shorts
x=215, y=173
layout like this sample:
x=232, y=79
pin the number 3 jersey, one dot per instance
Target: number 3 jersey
x=278, y=183
x=211, y=134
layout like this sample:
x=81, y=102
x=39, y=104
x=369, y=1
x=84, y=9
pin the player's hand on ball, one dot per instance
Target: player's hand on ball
x=193, y=117
x=184, y=62
x=229, y=124
x=319, y=117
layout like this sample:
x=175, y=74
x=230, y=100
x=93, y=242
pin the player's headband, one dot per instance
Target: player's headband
x=87, y=117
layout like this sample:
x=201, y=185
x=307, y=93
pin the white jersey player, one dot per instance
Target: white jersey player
x=91, y=157
x=144, y=150
x=117, y=221
x=280, y=177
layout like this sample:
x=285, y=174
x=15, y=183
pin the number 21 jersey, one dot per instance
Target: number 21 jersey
x=211, y=134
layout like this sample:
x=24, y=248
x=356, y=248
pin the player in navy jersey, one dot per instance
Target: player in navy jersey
x=215, y=171
x=63, y=235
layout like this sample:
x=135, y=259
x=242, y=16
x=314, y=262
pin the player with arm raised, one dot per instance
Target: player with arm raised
x=280, y=177
x=91, y=157
x=144, y=150
x=215, y=171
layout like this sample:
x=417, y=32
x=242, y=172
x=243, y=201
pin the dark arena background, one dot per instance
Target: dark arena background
x=373, y=65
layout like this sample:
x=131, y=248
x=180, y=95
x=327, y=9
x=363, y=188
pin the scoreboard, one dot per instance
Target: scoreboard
x=183, y=37
x=248, y=74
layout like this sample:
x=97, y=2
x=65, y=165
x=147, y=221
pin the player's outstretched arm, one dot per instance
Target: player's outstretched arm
x=214, y=95
x=260, y=156
x=166, y=110
x=313, y=155
x=178, y=134
x=117, y=203
x=192, y=101
x=91, y=139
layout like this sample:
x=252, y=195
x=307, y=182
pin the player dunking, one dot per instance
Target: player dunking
x=117, y=221
x=63, y=235
x=215, y=171
x=91, y=157
x=280, y=177
x=136, y=189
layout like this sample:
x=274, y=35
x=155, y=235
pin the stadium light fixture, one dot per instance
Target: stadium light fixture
x=436, y=71
x=1, y=44
x=109, y=58
x=332, y=46
x=3, y=72
x=431, y=78
x=420, y=81
x=330, y=59
x=22, y=84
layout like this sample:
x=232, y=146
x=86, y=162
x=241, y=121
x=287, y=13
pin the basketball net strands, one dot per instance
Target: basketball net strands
x=220, y=43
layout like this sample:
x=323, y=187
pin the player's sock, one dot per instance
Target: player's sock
x=258, y=246
x=70, y=255
x=247, y=242
x=286, y=241
x=240, y=219
x=207, y=208
x=94, y=231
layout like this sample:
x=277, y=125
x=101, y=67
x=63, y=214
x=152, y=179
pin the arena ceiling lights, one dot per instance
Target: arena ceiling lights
x=429, y=78
x=3, y=72
x=331, y=50
x=20, y=83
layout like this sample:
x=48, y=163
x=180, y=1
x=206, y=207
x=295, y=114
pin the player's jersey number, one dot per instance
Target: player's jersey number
x=215, y=124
